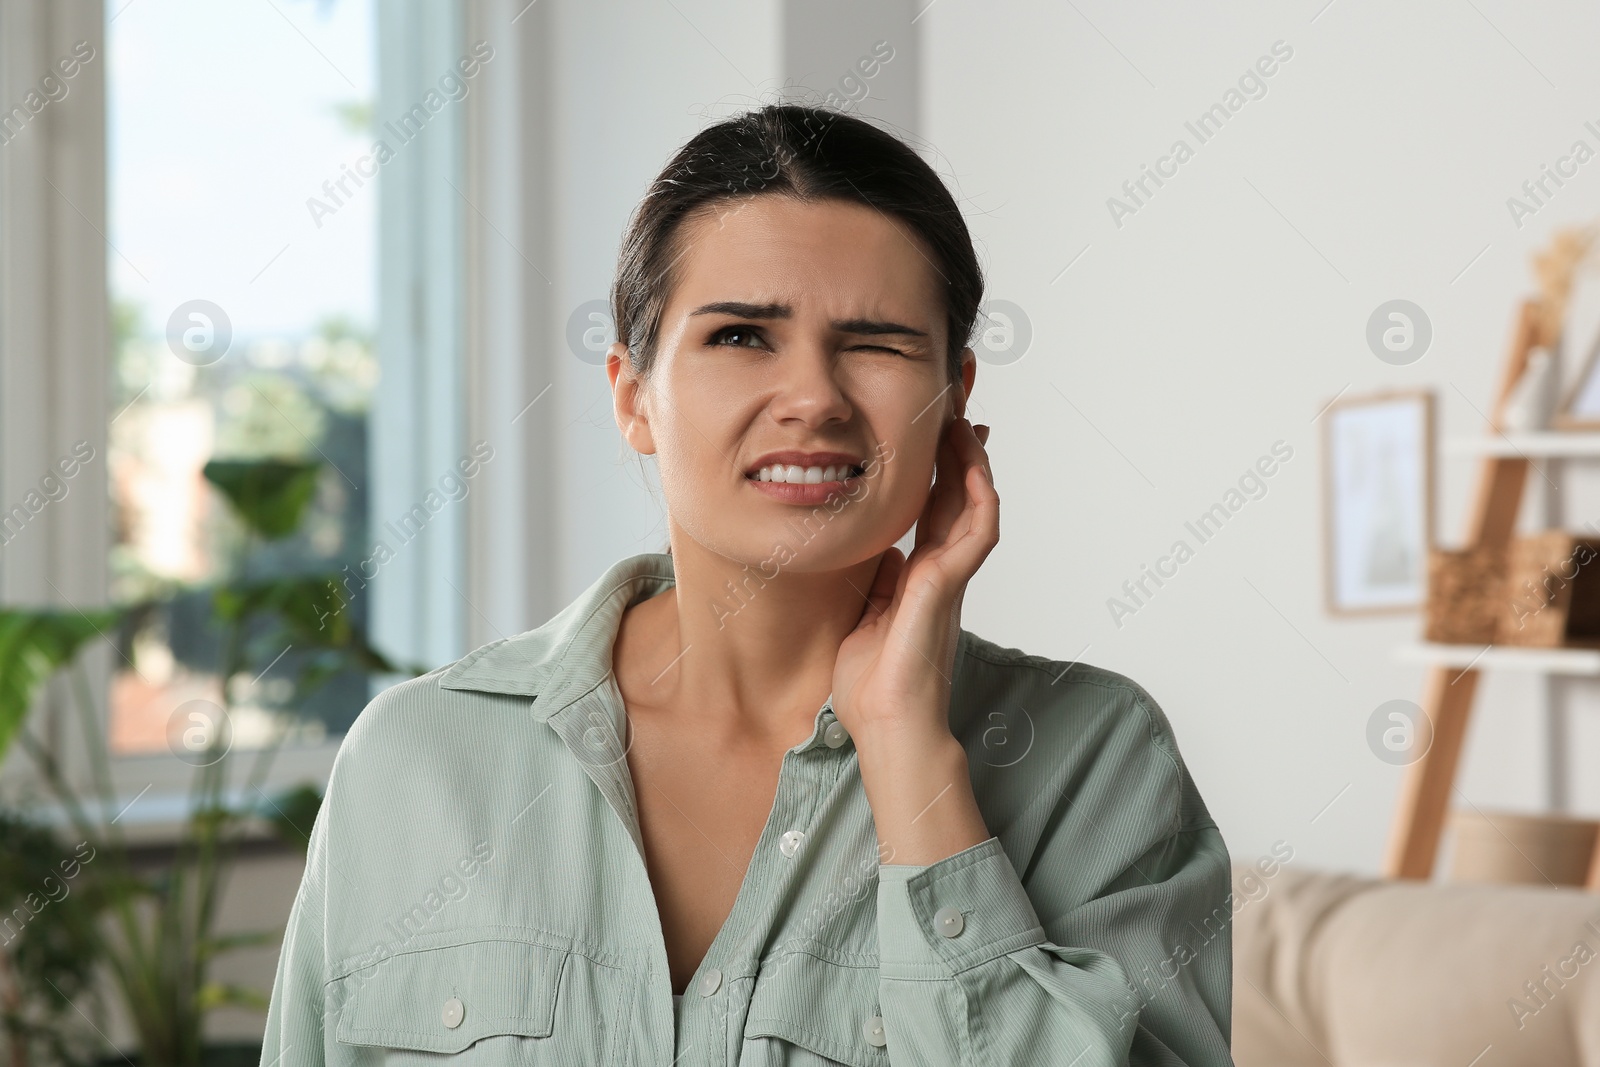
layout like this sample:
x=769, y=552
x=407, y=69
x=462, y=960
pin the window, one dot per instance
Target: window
x=243, y=231
x=241, y=259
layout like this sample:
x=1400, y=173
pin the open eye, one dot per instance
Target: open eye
x=736, y=337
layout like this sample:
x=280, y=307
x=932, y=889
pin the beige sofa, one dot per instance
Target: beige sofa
x=1347, y=971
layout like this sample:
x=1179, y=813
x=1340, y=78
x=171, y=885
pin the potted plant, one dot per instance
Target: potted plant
x=155, y=931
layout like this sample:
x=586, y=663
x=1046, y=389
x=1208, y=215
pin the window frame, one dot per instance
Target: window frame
x=56, y=349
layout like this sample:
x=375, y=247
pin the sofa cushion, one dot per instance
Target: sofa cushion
x=1347, y=970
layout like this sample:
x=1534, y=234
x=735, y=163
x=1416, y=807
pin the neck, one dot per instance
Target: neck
x=748, y=647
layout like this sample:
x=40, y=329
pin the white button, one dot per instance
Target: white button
x=835, y=735
x=454, y=1011
x=790, y=843
x=710, y=982
x=873, y=1029
x=949, y=921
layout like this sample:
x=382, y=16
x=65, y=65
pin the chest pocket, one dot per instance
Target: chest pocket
x=811, y=1012
x=499, y=996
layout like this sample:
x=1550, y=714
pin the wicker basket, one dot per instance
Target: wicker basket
x=1551, y=596
x=1465, y=595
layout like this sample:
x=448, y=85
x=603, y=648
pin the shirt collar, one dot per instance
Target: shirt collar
x=571, y=654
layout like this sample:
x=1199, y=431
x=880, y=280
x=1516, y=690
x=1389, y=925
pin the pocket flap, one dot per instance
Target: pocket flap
x=818, y=1005
x=503, y=987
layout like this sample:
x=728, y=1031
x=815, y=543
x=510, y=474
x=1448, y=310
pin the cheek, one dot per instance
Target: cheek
x=690, y=469
x=908, y=472
x=693, y=427
x=907, y=418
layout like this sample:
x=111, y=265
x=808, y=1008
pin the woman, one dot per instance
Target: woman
x=761, y=799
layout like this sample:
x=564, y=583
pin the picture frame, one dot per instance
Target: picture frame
x=1378, y=460
x=1579, y=408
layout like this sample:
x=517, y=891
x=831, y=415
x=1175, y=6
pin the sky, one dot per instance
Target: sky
x=223, y=120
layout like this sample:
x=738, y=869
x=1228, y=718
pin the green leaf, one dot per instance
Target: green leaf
x=303, y=600
x=219, y=994
x=314, y=613
x=292, y=814
x=34, y=644
x=269, y=495
x=213, y=946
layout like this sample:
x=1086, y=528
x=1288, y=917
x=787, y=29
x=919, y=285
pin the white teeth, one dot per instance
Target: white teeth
x=795, y=475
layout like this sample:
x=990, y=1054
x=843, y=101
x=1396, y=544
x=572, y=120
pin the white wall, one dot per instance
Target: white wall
x=1217, y=320
x=1221, y=318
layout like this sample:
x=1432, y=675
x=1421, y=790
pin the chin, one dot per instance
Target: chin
x=800, y=547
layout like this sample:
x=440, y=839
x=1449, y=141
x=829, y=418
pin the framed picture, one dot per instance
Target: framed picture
x=1580, y=408
x=1378, y=490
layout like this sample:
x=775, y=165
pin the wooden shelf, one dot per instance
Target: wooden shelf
x=1574, y=444
x=1503, y=657
x=1449, y=688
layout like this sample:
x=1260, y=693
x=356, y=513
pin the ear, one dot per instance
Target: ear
x=627, y=400
x=959, y=396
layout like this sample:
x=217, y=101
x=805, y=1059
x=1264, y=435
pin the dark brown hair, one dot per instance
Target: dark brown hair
x=809, y=153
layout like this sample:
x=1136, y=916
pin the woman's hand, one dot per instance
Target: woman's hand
x=892, y=674
x=892, y=678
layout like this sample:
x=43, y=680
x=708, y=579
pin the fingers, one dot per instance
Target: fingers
x=885, y=585
x=941, y=508
x=977, y=530
x=971, y=447
x=948, y=498
x=962, y=504
x=960, y=525
x=966, y=444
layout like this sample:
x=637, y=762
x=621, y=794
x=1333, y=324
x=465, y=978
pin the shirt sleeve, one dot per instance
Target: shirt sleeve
x=294, y=1032
x=1137, y=971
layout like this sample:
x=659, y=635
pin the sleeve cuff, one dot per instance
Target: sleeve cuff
x=942, y=918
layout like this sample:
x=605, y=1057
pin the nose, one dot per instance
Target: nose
x=810, y=390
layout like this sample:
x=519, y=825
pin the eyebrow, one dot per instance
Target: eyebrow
x=742, y=310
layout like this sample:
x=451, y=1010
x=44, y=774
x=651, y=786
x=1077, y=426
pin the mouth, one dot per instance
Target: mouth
x=796, y=474
x=805, y=478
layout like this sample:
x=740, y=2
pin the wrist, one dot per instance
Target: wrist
x=919, y=788
x=895, y=752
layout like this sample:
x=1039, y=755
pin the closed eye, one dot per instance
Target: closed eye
x=740, y=336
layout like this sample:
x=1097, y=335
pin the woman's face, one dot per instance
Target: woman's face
x=813, y=331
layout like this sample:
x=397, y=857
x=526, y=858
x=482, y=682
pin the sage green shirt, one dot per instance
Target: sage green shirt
x=476, y=887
